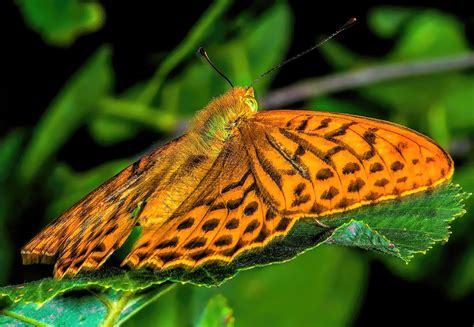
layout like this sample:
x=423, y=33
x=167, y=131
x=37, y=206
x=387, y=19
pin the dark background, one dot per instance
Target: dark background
x=33, y=73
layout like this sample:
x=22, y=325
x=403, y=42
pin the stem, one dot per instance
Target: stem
x=105, y=301
x=349, y=80
x=144, y=300
x=23, y=318
x=187, y=46
x=116, y=309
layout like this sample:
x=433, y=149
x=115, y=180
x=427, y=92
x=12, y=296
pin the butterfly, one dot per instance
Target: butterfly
x=236, y=180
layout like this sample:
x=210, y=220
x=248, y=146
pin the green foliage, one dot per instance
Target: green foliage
x=88, y=308
x=217, y=314
x=120, y=119
x=243, y=57
x=387, y=22
x=66, y=113
x=61, y=22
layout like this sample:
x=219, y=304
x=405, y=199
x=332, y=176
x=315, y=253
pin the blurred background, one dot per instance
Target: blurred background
x=87, y=87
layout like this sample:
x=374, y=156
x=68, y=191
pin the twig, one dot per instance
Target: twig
x=349, y=80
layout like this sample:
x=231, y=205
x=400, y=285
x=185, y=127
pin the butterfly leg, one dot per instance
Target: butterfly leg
x=319, y=223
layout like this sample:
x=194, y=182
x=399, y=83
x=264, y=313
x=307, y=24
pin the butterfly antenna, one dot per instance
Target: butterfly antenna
x=203, y=54
x=348, y=24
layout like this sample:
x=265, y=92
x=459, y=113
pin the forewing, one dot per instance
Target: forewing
x=321, y=163
x=88, y=233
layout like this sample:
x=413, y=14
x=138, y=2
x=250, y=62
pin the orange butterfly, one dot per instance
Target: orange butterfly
x=236, y=180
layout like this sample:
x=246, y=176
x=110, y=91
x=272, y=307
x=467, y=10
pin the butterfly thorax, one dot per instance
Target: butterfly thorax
x=218, y=121
x=194, y=154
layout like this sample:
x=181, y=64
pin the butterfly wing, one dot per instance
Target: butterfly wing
x=224, y=215
x=332, y=162
x=282, y=166
x=90, y=231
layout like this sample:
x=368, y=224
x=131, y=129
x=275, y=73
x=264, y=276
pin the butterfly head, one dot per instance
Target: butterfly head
x=219, y=119
x=249, y=99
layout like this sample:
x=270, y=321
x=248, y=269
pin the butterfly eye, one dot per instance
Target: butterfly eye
x=252, y=103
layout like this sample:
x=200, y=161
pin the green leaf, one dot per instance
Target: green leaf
x=217, y=313
x=401, y=228
x=387, y=21
x=418, y=225
x=465, y=177
x=88, y=308
x=68, y=111
x=428, y=266
x=61, y=22
x=431, y=34
x=458, y=105
x=357, y=234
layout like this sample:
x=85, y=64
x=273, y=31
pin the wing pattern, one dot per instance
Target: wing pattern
x=227, y=216
x=90, y=231
x=286, y=165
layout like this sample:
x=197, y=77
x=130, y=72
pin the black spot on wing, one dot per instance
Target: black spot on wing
x=350, y=168
x=210, y=225
x=251, y=208
x=185, y=224
x=329, y=193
